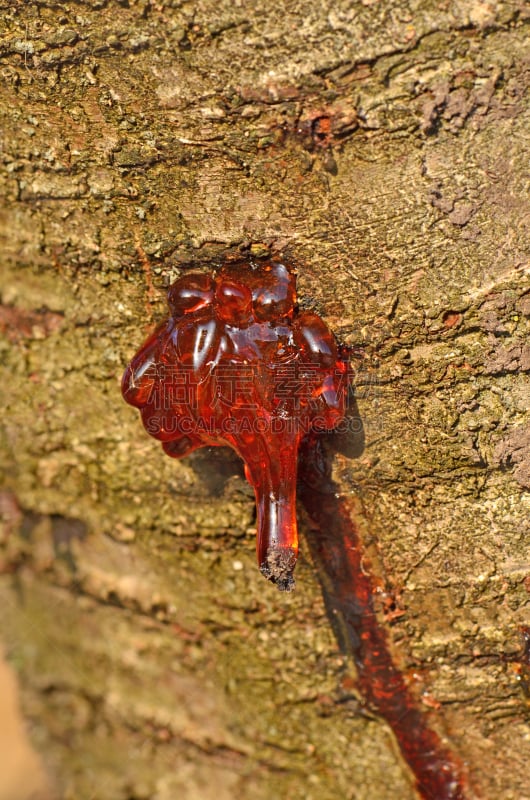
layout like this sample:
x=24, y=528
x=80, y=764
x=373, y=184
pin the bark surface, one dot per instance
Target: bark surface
x=383, y=147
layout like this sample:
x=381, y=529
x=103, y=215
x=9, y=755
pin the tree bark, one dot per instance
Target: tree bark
x=381, y=147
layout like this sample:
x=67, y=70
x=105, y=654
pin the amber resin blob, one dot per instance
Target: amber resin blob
x=237, y=363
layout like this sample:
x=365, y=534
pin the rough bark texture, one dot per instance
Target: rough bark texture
x=382, y=145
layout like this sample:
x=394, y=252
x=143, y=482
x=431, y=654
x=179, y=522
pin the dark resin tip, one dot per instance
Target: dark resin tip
x=278, y=567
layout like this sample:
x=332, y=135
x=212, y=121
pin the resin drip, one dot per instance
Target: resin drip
x=238, y=364
x=348, y=590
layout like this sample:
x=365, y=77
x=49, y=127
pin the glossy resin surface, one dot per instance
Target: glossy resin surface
x=237, y=363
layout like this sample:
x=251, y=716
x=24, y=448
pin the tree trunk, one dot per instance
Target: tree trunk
x=382, y=149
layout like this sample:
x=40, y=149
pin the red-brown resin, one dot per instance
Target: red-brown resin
x=237, y=363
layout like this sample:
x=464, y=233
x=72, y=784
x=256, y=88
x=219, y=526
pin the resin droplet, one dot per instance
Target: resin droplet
x=236, y=364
